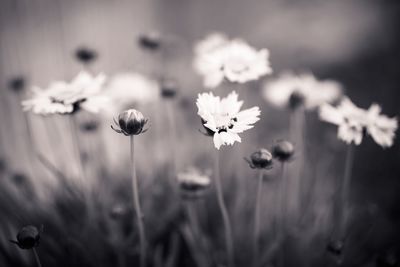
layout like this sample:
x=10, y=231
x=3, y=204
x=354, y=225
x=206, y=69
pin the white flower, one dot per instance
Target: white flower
x=193, y=180
x=217, y=59
x=353, y=121
x=62, y=98
x=125, y=89
x=291, y=90
x=380, y=127
x=223, y=118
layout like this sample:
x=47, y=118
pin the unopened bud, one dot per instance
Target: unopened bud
x=130, y=122
x=28, y=237
x=85, y=55
x=283, y=150
x=261, y=159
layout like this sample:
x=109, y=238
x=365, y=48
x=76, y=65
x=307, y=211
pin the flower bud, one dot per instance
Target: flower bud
x=296, y=100
x=192, y=183
x=261, y=159
x=130, y=122
x=85, y=55
x=28, y=237
x=90, y=126
x=283, y=150
x=169, y=88
x=17, y=84
x=150, y=40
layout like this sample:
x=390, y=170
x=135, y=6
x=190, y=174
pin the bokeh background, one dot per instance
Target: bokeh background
x=353, y=42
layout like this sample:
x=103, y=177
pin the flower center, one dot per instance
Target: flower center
x=224, y=122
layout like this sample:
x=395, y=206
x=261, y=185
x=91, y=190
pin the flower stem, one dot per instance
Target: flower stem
x=136, y=204
x=345, y=190
x=172, y=133
x=257, y=218
x=39, y=264
x=224, y=211
x=283, y=214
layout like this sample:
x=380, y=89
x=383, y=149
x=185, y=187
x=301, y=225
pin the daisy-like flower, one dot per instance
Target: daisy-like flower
x=217, y=59
x=354, y=121
x=192, y=182
x=292, y=91
x=126, y=89
x=223, y=119
x=84, y=92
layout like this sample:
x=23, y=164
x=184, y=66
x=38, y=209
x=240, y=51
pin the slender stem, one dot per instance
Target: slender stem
x=39, y=264
x=136, y=204
x=224, y=211
x=283, y=215
x=346, y=189
x=76, y=144
x=172, y=135
x=257, y=216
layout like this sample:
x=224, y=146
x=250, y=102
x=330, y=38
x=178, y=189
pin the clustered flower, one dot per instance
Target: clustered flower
x=353, y=122
x=218, y=58
x=223, y=119
x=83, y=92
x=292, y=91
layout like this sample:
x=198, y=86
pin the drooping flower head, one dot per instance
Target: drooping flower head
x=217, y=58
x=28, y=237
x=292, y=91
x=261, y=159
x=84, y=92
x=193, y=183
x=283, y=150
x=130, y=122
x=223, y=118
x=353, y=122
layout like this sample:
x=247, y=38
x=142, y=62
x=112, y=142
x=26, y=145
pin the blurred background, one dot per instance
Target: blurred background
x=353, y=42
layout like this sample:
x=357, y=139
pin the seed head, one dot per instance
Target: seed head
x=283, y=150
x=261, y=159
x=150, y=40
x=28, y=237
x=130, y=122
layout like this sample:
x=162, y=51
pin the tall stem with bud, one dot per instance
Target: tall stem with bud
x=224, y=211
x=136, y=204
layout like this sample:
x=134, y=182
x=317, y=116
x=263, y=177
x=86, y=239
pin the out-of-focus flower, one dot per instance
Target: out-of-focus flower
x=380, y=127
x=84, y=92
x=292, y=91
x=352, y=122
x=130, y=122
x=119, y=211
x=217, y=59
x=150, y=40
x=90, y=126
x=223, y=118
x=28, y=237
x=261, y=159
x=17, y=84
x=193, y=183
x=127, y=89
x=283, y=150
x=86, y=55
x=169, y=88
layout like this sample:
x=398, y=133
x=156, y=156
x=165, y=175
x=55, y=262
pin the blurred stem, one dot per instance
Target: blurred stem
x=172, y=135
x=224, y=211
x=283, y=215
x=257, y=218
x=136, y=204
x=39, y=264
x=346, y=189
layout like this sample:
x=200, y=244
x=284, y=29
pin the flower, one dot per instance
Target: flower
x=150, y=40
x=63, y=98
x=129, y=88
x=86, y=55
x=293, y=91
x=217, y=58
x=261, y=159
x=130, y=122
x=283, y=150
x=192, y=182
x=28, y=237
x=223, y=117
x=353, y=122
x=380, y=127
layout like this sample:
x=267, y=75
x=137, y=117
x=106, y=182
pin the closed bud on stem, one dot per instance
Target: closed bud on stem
x=261, y=159
x=283, y=150
x=28, y=237
x=130, y=122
